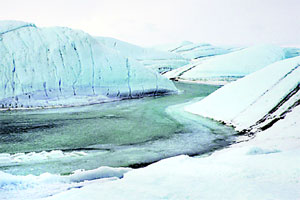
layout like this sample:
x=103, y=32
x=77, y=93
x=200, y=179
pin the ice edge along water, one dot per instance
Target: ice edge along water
x=44, y=67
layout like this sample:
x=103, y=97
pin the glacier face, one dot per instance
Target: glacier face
x=60, y=66
x=160, y=61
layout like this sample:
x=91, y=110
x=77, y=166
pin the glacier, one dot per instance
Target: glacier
x=192, y=50
x=58, y=66
x=222, y=69
x=160, y=61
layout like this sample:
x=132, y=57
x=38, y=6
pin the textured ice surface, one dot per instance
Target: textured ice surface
x=160, y=61
x=257, y=100
x=230, y=66
x=60, y=66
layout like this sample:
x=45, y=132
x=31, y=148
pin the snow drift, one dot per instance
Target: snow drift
x=256, y=101
x=231, y=66
x=60, y=66
x=158, y=60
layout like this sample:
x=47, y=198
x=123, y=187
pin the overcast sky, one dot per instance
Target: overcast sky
x=151, y=22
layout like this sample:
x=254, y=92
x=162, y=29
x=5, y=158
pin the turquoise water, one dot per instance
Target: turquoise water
x=125, y=133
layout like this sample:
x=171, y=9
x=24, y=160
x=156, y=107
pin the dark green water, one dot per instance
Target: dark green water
x=125, y=133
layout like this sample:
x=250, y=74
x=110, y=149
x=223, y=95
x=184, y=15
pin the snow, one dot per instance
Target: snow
x=151, y=58
x=252, y=99
x=230, y=66
x=63, y=67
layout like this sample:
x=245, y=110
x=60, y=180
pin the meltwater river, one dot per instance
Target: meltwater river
x=126, y=133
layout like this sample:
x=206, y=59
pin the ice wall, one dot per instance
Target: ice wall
x=61, y=66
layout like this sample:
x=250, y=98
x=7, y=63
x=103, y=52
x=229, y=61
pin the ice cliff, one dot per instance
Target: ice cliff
x=62, y=67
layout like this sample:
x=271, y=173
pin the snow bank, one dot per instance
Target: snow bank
x=257, y=100
x=60, y=66
x=233, y=173
x=151, y=58
x=230, y=66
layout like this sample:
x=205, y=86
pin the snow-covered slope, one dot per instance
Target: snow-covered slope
x=257, y=100
x=151, y=58
x=191, y=50
x=61, y=66
x=230, y=66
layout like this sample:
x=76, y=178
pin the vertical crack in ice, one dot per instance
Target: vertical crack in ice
x=24, y=66
x=128, y=77
x=7, y=74
x=93, y=67
x=110, y=67
x=156, y=83
x=13, y=74
x=45, y=88
x=64, y=67
x=44, y=44
x=77, y=75
x=59, y=86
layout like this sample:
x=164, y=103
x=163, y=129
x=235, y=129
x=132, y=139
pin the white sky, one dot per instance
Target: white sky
x=151, y=22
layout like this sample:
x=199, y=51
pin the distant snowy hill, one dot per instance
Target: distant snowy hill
x=256, y=101
x=151, y=58
x=223, y=68
x=61, y=66
x=191, y=50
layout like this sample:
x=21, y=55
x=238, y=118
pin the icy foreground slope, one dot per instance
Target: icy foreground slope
x=151, y=58
x=230, y=66
x=266, y=167
x=257, y=100
x=192, y=50
x=61, y=66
